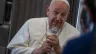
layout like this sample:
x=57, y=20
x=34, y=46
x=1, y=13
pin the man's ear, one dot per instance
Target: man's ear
x=47, y=10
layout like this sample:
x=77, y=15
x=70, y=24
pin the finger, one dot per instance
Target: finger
x=51, y=42
x=46, y=44
x=53, y=35
x=53, y=38
x=48, y=49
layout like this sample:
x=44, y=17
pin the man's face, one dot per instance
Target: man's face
x=57, y=14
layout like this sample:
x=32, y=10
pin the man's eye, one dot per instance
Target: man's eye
x=55, y=13
x=62, y=14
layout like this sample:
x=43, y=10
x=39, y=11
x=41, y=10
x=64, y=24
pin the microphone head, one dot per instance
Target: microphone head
x=54, y=31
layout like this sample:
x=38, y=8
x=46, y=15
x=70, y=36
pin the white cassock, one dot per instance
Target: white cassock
x=32, y=34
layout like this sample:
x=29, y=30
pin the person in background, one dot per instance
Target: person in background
x=45, y=35
x=85, y=44
x=86, y=23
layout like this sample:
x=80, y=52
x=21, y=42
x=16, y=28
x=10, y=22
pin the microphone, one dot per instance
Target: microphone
x=54, y=31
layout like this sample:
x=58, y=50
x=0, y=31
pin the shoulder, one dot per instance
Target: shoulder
x=69, y=26
x=35, y=20
x=71, y=29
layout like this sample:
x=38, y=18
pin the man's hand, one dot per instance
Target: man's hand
x=54, y=41
x=51, y=41
x=44, y=49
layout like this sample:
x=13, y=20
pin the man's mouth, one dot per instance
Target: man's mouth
x=56, y=23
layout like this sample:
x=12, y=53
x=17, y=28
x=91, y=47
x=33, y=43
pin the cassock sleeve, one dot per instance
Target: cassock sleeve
x=20, y=42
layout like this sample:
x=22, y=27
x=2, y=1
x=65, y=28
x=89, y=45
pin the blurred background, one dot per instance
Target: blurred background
x=13, y=14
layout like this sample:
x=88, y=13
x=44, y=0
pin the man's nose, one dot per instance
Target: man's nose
x=58, y=17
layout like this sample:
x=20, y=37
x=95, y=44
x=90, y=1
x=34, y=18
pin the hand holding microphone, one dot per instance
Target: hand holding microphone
x=52, y=35
x=52, y=38
x=51, y=42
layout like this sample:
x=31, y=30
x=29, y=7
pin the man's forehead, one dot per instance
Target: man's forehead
x=65, y=1
x=59, y=6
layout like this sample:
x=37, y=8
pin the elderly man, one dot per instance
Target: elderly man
x=45, y=35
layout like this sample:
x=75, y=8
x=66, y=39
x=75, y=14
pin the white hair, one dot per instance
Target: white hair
x=65, y=1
